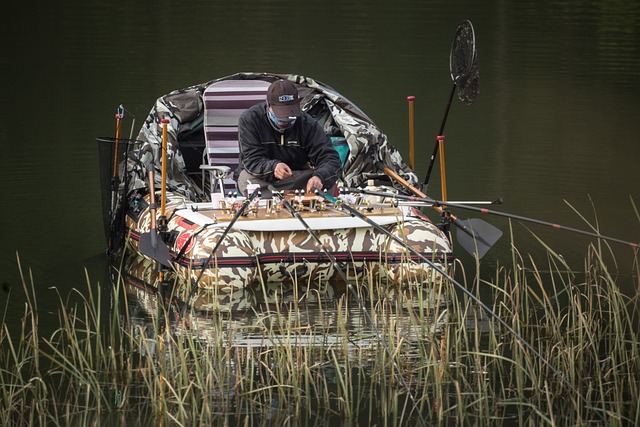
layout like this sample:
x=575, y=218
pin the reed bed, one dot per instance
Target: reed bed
x=570, y=355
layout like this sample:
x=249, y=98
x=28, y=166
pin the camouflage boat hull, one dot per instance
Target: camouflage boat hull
x=267, y=247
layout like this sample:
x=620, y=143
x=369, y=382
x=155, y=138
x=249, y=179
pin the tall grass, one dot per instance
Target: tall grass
x=118, y=357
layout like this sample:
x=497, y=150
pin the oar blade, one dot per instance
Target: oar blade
x=476, y=236
x=153, y=247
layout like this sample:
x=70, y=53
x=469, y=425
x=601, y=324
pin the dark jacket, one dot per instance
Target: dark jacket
x=302, y=146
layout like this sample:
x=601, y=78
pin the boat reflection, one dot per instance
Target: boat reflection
x=308, y=313
x=312, y=342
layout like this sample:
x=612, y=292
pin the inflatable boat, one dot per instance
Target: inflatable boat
x=171, y=207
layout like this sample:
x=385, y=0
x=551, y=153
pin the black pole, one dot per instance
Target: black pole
x=425, y=185
x=194, y=287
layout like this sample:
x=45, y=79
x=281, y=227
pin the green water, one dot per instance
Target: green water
x=555, y=123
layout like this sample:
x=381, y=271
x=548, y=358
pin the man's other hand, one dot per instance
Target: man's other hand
x=282, y=171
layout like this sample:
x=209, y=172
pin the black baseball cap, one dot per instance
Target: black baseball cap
x=284, y=99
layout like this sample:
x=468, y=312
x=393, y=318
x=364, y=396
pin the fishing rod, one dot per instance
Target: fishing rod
x=238, y=214
x=343, y=276
x=354, y=212
x=401, y=201
x=435, y=203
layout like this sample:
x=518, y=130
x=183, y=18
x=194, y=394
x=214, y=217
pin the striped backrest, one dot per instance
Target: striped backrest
x=224, y=102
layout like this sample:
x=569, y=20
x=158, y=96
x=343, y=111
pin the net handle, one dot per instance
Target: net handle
x=464, y=34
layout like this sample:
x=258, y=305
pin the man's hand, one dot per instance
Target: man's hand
x=282, y=171
x=314, y=181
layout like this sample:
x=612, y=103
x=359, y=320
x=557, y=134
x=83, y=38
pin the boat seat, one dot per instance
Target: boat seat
x=224, y=102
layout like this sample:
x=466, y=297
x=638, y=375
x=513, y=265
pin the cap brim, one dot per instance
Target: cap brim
x=286, y=111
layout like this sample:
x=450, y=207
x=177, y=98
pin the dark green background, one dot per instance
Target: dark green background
x=556, y=119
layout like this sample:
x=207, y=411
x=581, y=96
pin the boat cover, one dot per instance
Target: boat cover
x=185, y=110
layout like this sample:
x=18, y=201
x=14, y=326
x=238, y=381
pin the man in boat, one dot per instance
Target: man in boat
x=282, y=146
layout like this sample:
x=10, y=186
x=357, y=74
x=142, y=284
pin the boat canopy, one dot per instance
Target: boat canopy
x=184, y=108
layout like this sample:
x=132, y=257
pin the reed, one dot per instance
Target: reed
x=308, y=357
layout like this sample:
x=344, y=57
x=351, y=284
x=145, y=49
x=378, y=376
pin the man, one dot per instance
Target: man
x=283, y=146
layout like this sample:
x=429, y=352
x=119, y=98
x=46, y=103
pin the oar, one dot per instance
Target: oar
x=238, y=214
x=363, y=308
x=477, y=236
x=150, y=244
x=464, y=73
x=341, y=204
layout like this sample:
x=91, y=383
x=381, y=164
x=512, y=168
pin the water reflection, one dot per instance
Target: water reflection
x=272, y=347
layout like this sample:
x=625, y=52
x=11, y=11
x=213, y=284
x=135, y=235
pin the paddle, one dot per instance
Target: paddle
x=463, y=66
x=477, y=236
x=363, y=308
x=354, y=212
x=148, y=244
x=238, y=214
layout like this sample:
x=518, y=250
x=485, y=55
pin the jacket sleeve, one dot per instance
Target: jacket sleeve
x=253, y=153
x=324, y=157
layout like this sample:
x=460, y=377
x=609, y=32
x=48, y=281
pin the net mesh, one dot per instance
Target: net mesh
x=114, y=180
x=463, y=63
